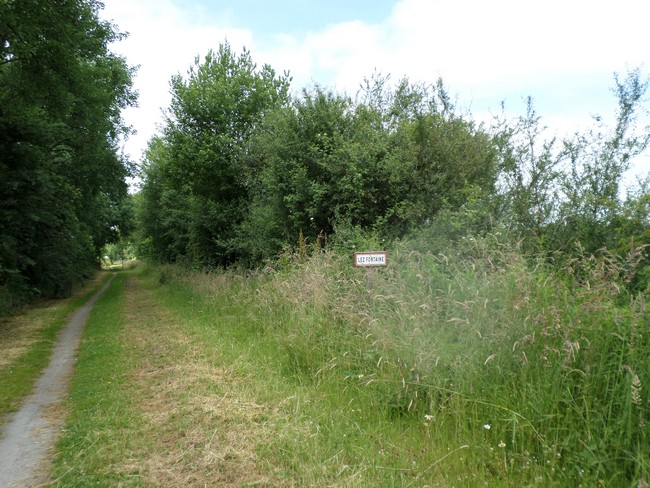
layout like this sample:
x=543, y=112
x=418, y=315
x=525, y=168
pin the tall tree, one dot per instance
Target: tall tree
x=597, y=162
x=203, y=169
x=61, y=176
x=387, y=162
x=438, y=159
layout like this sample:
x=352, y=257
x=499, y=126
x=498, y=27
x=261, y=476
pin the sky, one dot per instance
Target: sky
x=562, y=53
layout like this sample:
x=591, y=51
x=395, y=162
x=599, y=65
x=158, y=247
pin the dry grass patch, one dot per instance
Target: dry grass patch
x=202, y=426
x=20, y=332
x=16, y=336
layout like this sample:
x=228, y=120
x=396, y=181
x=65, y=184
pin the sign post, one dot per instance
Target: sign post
x=369, y=260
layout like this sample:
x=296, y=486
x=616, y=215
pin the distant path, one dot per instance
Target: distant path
x=29, y=437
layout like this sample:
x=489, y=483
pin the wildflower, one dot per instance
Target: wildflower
x=502, y=444
x=487, y=426
x=428, y=418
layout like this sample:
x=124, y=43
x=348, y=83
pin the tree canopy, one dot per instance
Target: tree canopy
x=198, y=178
x=243, y=170
x=62, y=177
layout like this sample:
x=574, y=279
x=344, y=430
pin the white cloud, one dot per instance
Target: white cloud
x=163, y=41
x=479, y=48
x=562, y=51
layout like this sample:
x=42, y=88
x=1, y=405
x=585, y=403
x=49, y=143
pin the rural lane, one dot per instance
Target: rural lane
x=30, y=434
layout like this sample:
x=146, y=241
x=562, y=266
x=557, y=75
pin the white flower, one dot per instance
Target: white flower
x=487, y=426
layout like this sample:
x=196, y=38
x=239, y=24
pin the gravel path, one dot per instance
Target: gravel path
x=29, y=436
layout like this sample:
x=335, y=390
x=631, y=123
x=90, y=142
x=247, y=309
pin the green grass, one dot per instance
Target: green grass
x=475, y=368
x=27, y=340
x=404, y=372
x=100, y=425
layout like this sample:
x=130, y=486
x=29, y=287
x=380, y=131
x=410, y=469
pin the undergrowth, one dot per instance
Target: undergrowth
x=476, y=366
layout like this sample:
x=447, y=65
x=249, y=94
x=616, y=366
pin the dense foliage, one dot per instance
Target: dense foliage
x=560, y=192
x=511, y=326
x=62, y=179
x=231, y=183
x=198, y=179
x=243, y=171
x=513, y=317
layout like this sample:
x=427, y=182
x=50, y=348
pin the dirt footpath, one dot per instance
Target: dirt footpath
x=29, y=436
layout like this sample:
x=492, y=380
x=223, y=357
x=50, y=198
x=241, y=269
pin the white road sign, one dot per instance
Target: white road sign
x=374, y=258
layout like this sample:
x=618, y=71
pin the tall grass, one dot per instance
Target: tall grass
x=466, y=367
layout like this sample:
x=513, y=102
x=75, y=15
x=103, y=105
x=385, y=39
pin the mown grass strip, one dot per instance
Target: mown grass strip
x=100, y=425
x=153, y=404
x=316, y=426
x=26, y=342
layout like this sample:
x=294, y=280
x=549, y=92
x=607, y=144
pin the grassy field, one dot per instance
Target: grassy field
x=26, y=341
x=472, y=369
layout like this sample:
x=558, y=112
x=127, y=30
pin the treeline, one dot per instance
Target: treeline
x=243, y=170
x=62, y=177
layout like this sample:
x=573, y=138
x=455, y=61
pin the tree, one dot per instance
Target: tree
x=437, y=159
x=202, y=168
x=61, y=92
x=387, y=163
x=163, y=212
x=530, y=175
x=557, y=194
x=597, y=161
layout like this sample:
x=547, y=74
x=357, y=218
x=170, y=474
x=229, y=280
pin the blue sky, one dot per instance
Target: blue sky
x=294, y=17
x=563, y=53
